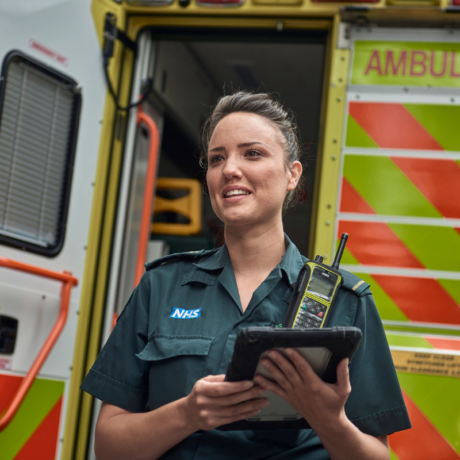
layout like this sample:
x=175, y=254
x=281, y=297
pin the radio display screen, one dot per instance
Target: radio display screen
x=322, y=283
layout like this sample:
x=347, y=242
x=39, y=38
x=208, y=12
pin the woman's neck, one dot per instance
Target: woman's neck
x=255, y=250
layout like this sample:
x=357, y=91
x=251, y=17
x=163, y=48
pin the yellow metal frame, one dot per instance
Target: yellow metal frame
x=264, y=8
x=98, y=247
x=328, y=165
x=109, y=163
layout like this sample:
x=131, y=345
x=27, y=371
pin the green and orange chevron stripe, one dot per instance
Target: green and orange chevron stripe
x=401, y=186
x=33, y=432
x=402, y=245
x=404, y=201
x=425, y=300
x=403, y=126
x=433, y=403
x=400, y=204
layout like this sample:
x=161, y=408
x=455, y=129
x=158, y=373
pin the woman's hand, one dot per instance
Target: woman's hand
x=121, y=434
x=320, y=403
x=213, y=402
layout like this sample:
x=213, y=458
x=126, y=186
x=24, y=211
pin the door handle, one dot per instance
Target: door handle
x=68, y=281
x=148, y=193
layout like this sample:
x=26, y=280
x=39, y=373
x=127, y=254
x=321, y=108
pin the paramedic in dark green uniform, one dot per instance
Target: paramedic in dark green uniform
x=161, y=373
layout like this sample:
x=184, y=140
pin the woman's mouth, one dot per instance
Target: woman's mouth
x=235, y=195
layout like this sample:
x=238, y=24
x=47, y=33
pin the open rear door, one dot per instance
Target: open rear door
x=399, y=175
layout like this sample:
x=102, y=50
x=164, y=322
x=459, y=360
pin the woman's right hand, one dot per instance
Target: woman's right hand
x=214, y=402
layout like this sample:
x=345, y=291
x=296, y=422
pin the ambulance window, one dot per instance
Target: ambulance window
x=39, y=114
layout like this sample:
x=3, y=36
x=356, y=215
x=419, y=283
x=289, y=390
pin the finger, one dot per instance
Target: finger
x=286, y=366
x=272, y=386
x=238, y=409
x=276, y=373
x=219, y=389
x=215, y=378
x=304, y=369
x=237, y=398
x=343, y=378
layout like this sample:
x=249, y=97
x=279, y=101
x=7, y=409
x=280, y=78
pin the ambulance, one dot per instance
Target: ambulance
x=102, y=103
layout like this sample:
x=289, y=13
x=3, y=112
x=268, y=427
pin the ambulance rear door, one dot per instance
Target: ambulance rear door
x=399, y=202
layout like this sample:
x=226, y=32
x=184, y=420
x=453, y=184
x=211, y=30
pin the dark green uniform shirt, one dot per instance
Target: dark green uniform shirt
x=180, y=325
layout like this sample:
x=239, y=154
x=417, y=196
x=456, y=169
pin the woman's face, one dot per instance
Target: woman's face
x=247, y=175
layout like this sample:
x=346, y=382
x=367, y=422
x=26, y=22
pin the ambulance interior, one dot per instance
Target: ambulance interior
x=191, y=70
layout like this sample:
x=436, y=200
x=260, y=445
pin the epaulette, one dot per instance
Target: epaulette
x=191, y=256
x=353, y=283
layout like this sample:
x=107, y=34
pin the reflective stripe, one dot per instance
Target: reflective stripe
x=423, y=441
x=392, y=126
x=44, y=438
x=375, y=243
x=438, y=180
x=41, y=399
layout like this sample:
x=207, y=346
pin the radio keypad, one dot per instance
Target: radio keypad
x=311, y=314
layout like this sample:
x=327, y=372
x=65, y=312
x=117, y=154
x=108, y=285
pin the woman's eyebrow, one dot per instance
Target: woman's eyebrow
x=245, y=144
x=216, y=149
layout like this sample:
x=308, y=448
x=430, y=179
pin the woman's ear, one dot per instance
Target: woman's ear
x=295, y=171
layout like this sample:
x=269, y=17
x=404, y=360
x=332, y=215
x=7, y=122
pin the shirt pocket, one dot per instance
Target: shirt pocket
x=177, y=362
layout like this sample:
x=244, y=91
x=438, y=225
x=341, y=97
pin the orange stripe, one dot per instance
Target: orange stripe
x=43, y=442
x=457, y=230
x=423, y=441
x=421, y=299
x=352, y=201
x=392, y=126
x=375, y=243
x=8, y=387
x=438, y=180
x=443, y=344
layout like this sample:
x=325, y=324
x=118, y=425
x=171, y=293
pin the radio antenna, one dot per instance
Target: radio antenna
x=338, y=256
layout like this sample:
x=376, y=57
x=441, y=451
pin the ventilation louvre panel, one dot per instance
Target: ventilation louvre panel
x=37, y=126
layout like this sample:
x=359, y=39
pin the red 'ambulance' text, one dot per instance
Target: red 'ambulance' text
x=414, y=63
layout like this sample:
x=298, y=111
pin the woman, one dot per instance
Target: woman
x=161, y=373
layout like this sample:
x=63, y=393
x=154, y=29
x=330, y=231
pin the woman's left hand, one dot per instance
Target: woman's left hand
x=318, y=402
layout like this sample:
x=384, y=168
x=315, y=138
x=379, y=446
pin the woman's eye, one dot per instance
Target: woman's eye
x=215, y=158
x=253, y=153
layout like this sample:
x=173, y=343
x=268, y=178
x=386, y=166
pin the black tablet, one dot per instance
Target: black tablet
x=322, y=348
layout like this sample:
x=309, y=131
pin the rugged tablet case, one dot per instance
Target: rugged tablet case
x=251, y=342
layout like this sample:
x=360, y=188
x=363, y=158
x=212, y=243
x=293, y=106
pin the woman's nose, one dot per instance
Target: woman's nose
x=231, y=168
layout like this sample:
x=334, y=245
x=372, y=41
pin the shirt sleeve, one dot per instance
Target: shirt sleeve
x=376, y=405
x=118, y=376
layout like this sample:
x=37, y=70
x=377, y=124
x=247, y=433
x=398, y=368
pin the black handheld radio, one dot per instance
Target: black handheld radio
x=314, y=292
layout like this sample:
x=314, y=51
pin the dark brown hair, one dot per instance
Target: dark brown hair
x=268, y=107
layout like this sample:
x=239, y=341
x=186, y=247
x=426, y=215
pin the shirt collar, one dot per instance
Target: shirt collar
x=290, y=264
x=292, y=261
x=216, y=261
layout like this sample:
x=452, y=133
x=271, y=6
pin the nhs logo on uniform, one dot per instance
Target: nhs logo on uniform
x=185, y=314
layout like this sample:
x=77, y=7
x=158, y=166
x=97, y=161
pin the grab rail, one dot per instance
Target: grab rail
x=148, y=193
x=68, y=282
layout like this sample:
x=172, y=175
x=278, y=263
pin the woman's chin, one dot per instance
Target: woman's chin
x=239, y=219
x=248, y=220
